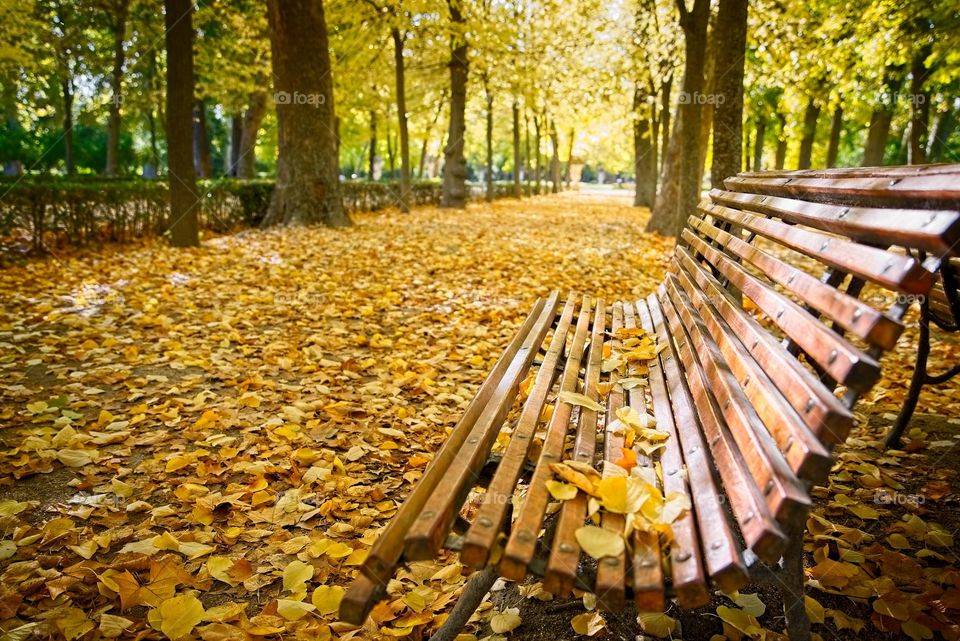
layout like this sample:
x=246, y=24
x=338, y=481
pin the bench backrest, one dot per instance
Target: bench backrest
x=782, y=296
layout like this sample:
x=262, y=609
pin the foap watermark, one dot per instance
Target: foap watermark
x=298, y=98
x=697, y=98
x=891, y=98
x=886, y=497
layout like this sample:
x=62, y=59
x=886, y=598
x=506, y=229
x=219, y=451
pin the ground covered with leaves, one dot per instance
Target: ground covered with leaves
x=206, y=442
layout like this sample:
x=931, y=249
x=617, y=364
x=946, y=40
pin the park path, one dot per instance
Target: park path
x=219, y=422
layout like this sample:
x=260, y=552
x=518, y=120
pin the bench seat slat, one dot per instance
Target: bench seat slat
x=489, y=520
x=854, y=315
x=522, y=544
x=759, y=528
x=805, y=454
x=820, y=409
x=564, y=550
x=686, y=557
x=936, y=231
x=831, y=352
x=431, y=527
x=897, y=272
x=721, y=550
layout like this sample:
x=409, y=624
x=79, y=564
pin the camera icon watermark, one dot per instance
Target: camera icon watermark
x=298, y=98
x=697, y=98
x=886, y=497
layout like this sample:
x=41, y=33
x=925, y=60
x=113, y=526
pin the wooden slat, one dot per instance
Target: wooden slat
x=720, y=548
x=686, y=558
x=831, y=352
x=360, y=598
x=861, y=172
x=829, y=420
x=785, y=495
x=805, y=454
x=757, y=525
x=386, y=551
x=893, y=271
x=936, y=191
x=612, y=571
x=430, y=529
x=522, y=544
x=489, y=521
x=851, y=314
x=649, y=592
x=564, y=550
x=933, y=231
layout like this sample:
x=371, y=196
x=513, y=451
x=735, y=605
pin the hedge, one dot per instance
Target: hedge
x=42, y=213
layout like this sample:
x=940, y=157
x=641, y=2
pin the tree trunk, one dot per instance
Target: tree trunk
x=489, y=163
x=919, y=107
x=810, y=116
x=730, y=50
x=708, y=100
x=236, y=136
x=681, y=186
x=116, y=80
x=201, y=141
x=881, y=118
x=836, y=128
x=554, y=158
x=12, y=164
x=401, y=88
x=516, y=149
x=455, y=164
x=665, y=89
x=180, y=102
x=567, y=170
x=252, y=119
x=526, y=153
x=391, y=151
x=66, y=86
x=308, y=184
x=942, y=129
x=643, y=143
x=372, y=156
x=781, y=156
x=536, y=143
x=761, y=131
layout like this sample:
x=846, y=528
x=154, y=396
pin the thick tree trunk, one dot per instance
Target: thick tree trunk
x=681, y=185
x=391, y=152
x=942, y=128
x=372, y=148
x=308, y=185
x=730, y=46
x=236, y=136
x=116, y=87
x=180, y=102
x=836, y=128
x=401, y=88
x=665, y=113
x=12, y=164
x=810, y=116
x=66, y=87
x=761, y=131
x=708, y=99
x=919, y=106
x=881, y=118
x=489, y=138
x=252, y=119
x=455, y=164
x=781, y=156
x=201, y=142
x=643, y=161
x=517, y=192
x=566, y=168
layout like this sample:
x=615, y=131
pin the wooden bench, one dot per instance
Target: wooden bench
x=729, y=386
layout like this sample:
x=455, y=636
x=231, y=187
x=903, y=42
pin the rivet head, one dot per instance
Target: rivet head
x=473, y=440
x=716, y=545
x=429, y=514
x=780, y=313
x=843, y=213
x=746, y=381
x=769, y=487
x=671, y=472
x=611, y=561
x=748, y=517
x=567, y=548
x=833, y=356
x=857, y=314
x=484, y=521
x=824, y=246
x=809, y=405
x=683, y=556
x=524, y=536
x=646, y=564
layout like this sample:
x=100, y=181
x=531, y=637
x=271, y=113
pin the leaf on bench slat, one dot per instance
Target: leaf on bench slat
x=574, y=398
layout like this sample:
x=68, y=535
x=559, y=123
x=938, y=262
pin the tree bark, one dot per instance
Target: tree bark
x=681, y=189
x=489, y=164
x=942, y=128
x=236, y=135
x=554, y=158
x=516, y=149
x=12, y=164
x=881, y=118
x=401, y=89
x=180, y=102
x=454, y=193
x=66, y=87
x=116, y=87
x=372, y=155
x=308, y=184
x=201, y=141
x=781, y=156
x=528, y=173
x=252, y=119
x=919, y=106
x=810, y=116
x=643, y=162
x=536, y=143
x=566, y=169
x=761, y=131
x=731, y=42
x=836, y=128
x=709, y=99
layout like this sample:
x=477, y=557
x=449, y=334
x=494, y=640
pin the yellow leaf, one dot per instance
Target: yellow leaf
x=561, y=491
x=178, y=616
x=750, y=603
x=505, y=621
x=742, y=621
x=327, y=598
x=656, y=624
x=573, y=398
x=112, y=626
x=916, y=631
x=296, y=575
x=621, y=494
x=589, y=623
x=293, y=610
x=898, y=542
x=74, y=458
x=73, y=623
x=815, y=612
x=598, y=542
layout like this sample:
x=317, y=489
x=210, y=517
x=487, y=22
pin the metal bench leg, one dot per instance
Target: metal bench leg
x=918, y=380
x=792, y=590
x=473, y=593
